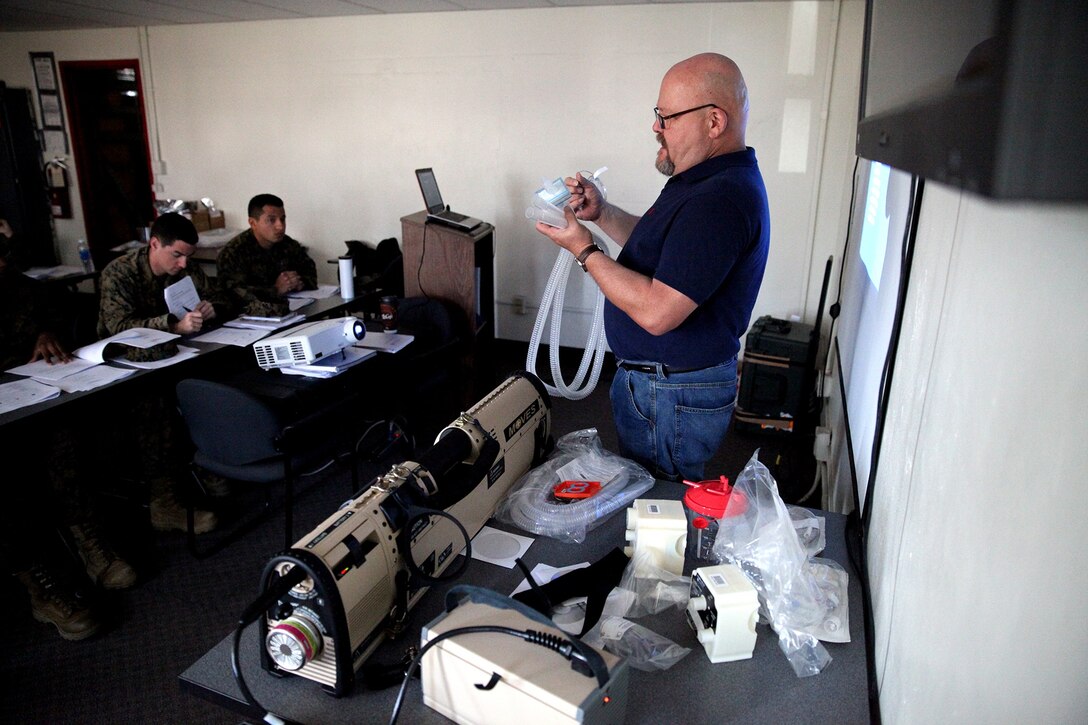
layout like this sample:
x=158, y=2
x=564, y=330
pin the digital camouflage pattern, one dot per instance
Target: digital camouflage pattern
x=249, y=272
x=132, y=296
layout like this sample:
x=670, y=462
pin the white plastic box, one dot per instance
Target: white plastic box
x=658, y=528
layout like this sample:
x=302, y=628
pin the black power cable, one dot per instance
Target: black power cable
x=551, y=641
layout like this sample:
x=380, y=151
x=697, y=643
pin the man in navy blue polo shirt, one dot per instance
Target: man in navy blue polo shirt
x=680, y=293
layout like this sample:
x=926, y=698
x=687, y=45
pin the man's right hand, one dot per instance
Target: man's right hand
x=585, y=198
x=288, y=282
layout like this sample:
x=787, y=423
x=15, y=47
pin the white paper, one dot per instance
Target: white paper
x=141, y=337
x=92, y=378
x=297, y=303
x=181, y=297
x=237, y=336
x=57, y=272
x=44, y=372
x=322, y=291
x=332, y=364
x=268, y=325
x=499, y=547
x=385, y=341
x=22, y=393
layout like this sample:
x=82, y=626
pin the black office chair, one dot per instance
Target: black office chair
x=240, y=437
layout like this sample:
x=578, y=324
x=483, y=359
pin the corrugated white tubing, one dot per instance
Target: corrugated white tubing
x=552, y=303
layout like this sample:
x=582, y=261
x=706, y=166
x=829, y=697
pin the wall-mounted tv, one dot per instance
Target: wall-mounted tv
x=987, y=95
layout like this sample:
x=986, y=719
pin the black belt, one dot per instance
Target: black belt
x=666, y=369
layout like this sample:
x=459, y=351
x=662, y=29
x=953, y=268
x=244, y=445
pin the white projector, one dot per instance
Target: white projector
x=312, y=341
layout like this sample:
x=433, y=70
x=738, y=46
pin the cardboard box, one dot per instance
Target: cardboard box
x=216, y=220
x=200, y=220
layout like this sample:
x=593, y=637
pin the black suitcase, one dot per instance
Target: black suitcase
x=776, y=376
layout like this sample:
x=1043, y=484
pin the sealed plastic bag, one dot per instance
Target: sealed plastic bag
x=532, y=505
x=799, y=605
x=647, y=589
x=643, y=648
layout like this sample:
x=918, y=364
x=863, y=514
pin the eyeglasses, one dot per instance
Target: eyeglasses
x=661, y=119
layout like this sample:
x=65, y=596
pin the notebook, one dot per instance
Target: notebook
x=436, y=210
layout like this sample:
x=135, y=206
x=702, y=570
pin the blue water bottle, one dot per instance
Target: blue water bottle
x=85, y=255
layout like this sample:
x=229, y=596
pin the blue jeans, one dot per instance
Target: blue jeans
x=672, y=424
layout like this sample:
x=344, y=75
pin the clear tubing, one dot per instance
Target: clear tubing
x=593, y=357
x=552, y=303
x=534, y=509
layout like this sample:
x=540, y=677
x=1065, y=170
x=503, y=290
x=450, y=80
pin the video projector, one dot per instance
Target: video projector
x=308, y=342
x=371, y=560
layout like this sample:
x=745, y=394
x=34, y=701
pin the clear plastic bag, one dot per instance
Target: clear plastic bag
x=764, y=542
x=532, y=507
x=647, y=589
x=643, y=648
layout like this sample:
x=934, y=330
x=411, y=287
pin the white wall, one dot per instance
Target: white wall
x=976, y=555
x=333, y=115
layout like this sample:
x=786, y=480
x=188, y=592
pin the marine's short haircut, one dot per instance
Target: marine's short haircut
x=173, y=227
x=259, y=202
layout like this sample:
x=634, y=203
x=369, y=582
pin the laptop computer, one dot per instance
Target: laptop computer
x=436, y=210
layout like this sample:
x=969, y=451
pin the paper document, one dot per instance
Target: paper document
x=44, y=372
x=332, y=365
x=216, y=237
x=181, y=297
x=297, y=303
x=268, y=324
x=63, y=270
x=385, y=341
x=141, y=337
x=22, y=393
x=237, y=336
x=322, y=291
x=91, y=378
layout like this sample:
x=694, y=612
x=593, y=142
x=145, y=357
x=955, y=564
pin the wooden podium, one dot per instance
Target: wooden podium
x=445, y=263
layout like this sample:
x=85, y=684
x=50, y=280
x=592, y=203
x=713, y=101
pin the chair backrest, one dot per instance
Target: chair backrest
x=228, y=424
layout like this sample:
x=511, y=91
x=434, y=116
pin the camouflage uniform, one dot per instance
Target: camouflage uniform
x=132, y=296
x=250, y=271
x=27, y=310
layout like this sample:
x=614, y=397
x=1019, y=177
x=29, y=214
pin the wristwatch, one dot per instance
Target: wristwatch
x=584, y=255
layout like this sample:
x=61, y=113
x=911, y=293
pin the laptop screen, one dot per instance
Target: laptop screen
x=432, y=197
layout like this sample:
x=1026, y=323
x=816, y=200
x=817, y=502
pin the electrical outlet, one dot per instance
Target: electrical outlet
x=519, y=304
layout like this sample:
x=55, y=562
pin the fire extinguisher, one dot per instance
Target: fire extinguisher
x=60, y=200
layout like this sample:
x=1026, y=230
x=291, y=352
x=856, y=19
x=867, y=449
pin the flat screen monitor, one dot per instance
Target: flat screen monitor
x=987, y=95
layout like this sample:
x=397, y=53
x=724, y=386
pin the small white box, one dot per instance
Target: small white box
x=658, y=528
x=723, y=611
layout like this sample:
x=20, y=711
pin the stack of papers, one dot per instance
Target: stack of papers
x=332, y=365
x=22, y=393
x=63, y=270
x=322, y=291
x=253, y=322
x=385, y=341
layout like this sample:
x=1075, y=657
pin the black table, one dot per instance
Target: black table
x=215, y=360
x=763, y=689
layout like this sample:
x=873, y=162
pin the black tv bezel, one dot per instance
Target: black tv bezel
x=984, y=136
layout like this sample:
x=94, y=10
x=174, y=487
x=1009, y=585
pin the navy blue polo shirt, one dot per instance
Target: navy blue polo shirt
x=707, y=237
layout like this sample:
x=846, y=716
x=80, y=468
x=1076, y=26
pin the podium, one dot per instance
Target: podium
x=445, y=263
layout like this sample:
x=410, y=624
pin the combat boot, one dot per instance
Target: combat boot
x=169, y=515
x=103, y=564
x=55, y=603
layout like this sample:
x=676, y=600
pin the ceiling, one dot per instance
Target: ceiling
x=29, y=15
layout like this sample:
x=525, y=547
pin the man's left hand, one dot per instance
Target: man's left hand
x=48, y=348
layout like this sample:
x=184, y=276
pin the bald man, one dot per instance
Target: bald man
x=681, y=291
